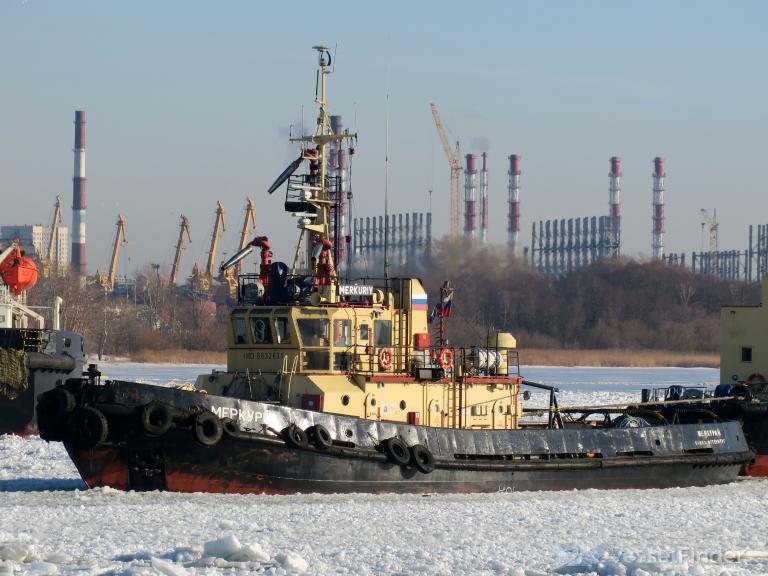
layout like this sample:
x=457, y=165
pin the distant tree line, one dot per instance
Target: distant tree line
x=620, y=303
x=612, y=304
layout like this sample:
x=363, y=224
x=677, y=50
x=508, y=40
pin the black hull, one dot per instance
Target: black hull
x=266, y=467
x=254, y=457
x=753, y=417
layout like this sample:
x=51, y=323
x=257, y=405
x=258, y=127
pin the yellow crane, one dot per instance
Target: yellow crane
x=50, y=265
x=183, y=228
x=219, y=226
x=455, y=163
x=710, y=220
x=250, y=218
x=108, y=282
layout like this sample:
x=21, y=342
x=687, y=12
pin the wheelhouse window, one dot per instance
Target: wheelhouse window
x=282, y=331
x=341, y=333
x=746, y=353
x=262, y=332
x=313, y=331
x=364, y=332
x=238, y=331
x=382, y=333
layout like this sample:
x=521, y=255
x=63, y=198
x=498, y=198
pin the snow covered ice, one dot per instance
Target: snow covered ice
x=49, y=524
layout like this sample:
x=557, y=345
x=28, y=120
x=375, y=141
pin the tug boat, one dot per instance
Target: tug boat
x=33, y=359
x=335, y=386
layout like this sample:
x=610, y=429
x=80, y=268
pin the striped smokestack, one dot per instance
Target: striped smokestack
x=79, y=263
x=513, y=219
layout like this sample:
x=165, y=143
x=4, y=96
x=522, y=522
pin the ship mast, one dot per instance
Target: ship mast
x=315, y=225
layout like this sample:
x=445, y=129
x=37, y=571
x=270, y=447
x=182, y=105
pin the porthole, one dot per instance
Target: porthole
x=402, y=404
x=345, y=400
x=348, y=433
x=373, y=401
x=658, y=442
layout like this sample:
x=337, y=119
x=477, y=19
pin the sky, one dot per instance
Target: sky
x=190, y=102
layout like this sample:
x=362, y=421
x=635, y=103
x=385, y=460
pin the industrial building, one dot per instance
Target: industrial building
x=34, y=239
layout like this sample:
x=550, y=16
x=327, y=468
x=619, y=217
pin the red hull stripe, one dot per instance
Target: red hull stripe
x=759, y=468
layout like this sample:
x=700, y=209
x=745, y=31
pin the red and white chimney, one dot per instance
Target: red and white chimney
x=79, y=262
x=470, y=197
x=513, y=219
x=614, y=201
x=484, y=201
x=659, y=174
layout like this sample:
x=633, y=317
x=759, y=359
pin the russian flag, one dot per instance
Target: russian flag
x=419, y=302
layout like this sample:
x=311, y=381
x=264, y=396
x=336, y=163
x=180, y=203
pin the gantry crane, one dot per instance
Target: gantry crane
x=50, y=265
x=455, y=163
x=183, y=228
x=219, y=226
x=108, y=281
x=250, y=218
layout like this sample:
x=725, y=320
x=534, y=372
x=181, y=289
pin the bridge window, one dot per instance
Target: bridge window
x=262, y=333
x=341, y=333
x=314, y=332
x=364, y=332
x=382, y=333
x=746, y=353
x=238, y=331
x=282, y=331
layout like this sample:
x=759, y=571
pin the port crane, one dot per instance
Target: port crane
x=183, y=228
x=219, y=226
x=455, y=164
x=710, y=220
x=49, y=265
x=250, y=218
x=108, y=281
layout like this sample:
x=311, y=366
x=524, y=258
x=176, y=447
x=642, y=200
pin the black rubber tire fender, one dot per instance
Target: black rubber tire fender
x=53, y=408
x=207, y=428
x=230, y=427
x=422, y=458
x=320, y=437
x=397, y=451
x=296, y=437
x=87, y=428
x=156, y=418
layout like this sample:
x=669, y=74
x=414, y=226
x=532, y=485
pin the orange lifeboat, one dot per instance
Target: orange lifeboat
x=18, y=272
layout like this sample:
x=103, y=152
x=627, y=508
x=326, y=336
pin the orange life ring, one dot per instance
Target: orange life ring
x=385, y=358
x=756, y=377
x=446, y=358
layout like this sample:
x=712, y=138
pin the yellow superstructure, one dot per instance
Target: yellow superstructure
x=744, y=341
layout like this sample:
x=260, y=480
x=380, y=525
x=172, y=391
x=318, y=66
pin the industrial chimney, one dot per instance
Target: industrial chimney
x=658, y=208
x=614, y=222
x=470, y=197
x=484, y=201
x=79, y=263
x=513, y=219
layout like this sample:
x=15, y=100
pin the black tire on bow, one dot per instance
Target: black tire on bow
x=230, y=427
x=296, y=437
x=156, y=418
x=207, y=428
x=86, y=428
x=422, y=458
x=397, y=451
x=53, y=408
x=320, y=437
